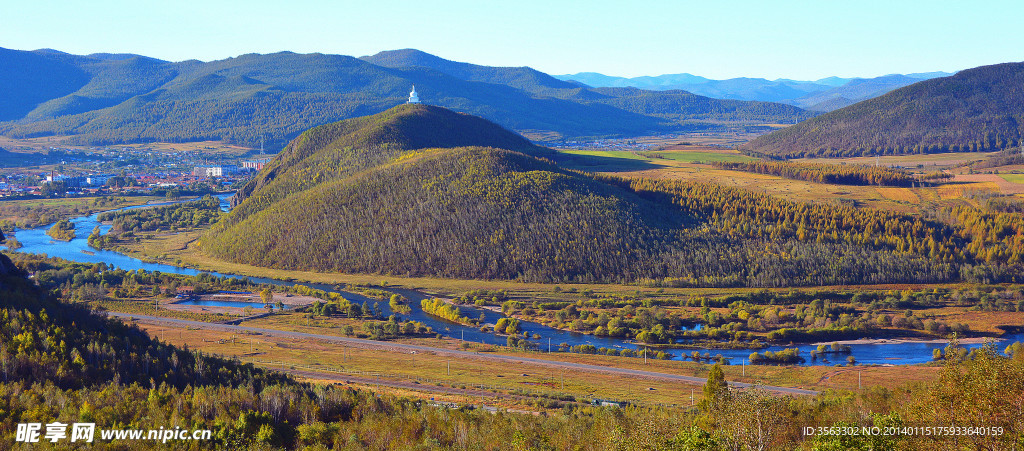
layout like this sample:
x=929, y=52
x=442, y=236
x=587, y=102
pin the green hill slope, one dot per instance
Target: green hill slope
x=337, y=150
x=420, y=190
x=976, y=109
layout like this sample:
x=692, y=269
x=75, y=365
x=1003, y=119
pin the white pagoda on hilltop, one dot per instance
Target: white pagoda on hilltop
x=413, y=97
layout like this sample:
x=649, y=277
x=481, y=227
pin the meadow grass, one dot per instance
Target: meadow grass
x=532, y=378
x=606, y=153
x=1013, y=178
x=703, y=157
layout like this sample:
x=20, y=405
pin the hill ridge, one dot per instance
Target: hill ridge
x=359, y=143
x=108, y=99
x=976, y=109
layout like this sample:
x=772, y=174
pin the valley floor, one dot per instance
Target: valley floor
x=432, y=365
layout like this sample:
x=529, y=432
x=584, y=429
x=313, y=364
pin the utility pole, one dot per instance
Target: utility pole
x=549, y=345
x=645, y=356
x=744, y=367
x=449, y=367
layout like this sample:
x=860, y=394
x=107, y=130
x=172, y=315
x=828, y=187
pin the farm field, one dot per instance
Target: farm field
x=691, y=156
x=1013, y=178
x=991, y=182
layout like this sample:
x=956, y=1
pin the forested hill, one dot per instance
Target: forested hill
x=414, y=191
x=336, y=150
x=52, y=344
x=101, y=99
x=976, y=109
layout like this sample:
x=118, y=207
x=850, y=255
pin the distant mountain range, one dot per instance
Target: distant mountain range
x=976, y=109
x=826, y=94
x=115, y=98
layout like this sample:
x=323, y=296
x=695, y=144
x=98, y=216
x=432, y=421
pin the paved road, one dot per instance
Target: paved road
x=476, y=355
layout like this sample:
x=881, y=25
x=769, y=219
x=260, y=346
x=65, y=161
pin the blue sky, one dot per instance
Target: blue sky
x=715, y=39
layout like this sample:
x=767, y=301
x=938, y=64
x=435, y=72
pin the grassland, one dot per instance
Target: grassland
x=689, y=162
x=698, y=156
x=1013, y=178
x=926, y=162
x=527, y=378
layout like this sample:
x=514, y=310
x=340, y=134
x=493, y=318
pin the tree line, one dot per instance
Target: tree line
x=838, y=174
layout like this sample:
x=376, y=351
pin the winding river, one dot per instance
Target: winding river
x=36, y=241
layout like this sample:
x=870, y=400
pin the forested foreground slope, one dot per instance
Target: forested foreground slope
x=418, y=190
x=980, y=109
